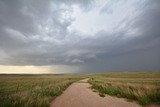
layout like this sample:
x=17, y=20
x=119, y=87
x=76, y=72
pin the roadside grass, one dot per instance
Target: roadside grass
x=32, y=90
x=143, y=87
x=39, y=90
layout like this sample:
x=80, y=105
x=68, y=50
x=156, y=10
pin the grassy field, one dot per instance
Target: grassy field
x=40, y=90
x=32, y=90
x=143, y=87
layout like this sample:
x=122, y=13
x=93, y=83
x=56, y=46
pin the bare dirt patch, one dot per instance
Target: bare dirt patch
x=79, y=94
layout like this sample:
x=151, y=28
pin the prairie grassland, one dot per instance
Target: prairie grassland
x=32, y=90
x=40, y=90
x=143, y=87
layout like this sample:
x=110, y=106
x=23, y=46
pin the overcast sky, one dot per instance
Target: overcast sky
x=56, y=36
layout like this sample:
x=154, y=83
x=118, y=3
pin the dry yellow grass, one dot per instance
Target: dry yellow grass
x=143, y=86
x=32, y=90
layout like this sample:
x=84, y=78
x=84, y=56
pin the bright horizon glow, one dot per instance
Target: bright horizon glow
x=31, y=69
x=25, y=69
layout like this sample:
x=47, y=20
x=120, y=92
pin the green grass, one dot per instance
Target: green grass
x=32, y=90
x=143, y=87
x=40, y=90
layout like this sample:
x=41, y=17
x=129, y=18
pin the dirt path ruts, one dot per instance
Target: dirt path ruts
x=80, y=95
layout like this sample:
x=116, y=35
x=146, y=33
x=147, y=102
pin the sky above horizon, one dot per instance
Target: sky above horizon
x=63, y=36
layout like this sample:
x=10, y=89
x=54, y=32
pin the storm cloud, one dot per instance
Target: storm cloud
x=92, y=35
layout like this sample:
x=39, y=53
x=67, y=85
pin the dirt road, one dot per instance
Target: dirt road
x=80, y=95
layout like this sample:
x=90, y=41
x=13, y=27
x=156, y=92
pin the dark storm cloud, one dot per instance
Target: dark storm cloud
x=36, y=33
x=24, y=27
